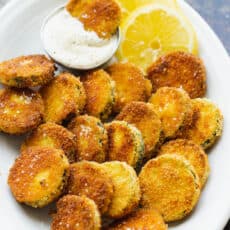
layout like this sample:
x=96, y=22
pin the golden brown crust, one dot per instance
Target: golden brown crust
x=99, y=89
x=20, y=110
x=143, y=117
x=91, y=138
x=76, y=213
x=64, y=97
x=169, y=184
x=179, y=69
x=192, y=152
x=101, y=16
x=142, y=219
x=38, y=176
x=27, y=71
x=173, y=106
x=207, y=123
x=131, y=85
x=187, y=122
x=125, y=143
x=92, y=180
x=126, y=194
x=55, y=136
x=77, y=7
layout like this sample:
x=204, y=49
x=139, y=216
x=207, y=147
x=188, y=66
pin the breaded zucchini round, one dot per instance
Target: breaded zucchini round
x=186, y=124
x=100, y=16
x=170, y=184
x=91, y=179
x=143, y=117
x=142, y=219
x=20, y=110
x=55, y=136
x=91, y=138
x=27, y=71
x=126, y=194
x=179, y=69
x=192, y=152
x=76, y=213
x=207, y=125
x=172, y=105
x=131, y=85
x=64, y=97
x=100, y=92
x=38, y=176
x=125, y=143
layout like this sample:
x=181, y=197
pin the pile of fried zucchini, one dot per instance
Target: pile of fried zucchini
x=115, y=148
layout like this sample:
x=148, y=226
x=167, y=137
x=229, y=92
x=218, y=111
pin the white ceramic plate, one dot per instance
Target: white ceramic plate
x=20, y=24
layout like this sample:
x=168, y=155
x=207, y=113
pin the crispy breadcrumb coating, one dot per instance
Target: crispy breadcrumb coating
x=207, y=123
x=192, y=152
x=142, y=219
x=21, y=110
x=76, y=213
x=125, y=143
x=131, y=85
x=181, y=70
x=100, y=93
x=64, y=97
x=38, y=176
x=53, y=135
x=126, y=194
x=170, y=184
x=101, y=16
x=91, y=138
x=91, y=179
x=27, y=71
x=143, y=117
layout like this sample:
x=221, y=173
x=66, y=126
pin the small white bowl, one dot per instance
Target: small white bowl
x=77, y=67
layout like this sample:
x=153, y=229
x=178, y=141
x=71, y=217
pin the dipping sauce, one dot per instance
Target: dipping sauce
x=68, y=43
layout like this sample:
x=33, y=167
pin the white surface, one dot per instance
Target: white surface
x=20, y=35
x=67, y=42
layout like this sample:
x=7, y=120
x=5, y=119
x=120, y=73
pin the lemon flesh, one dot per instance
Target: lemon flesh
x=152, y=31
x=128, y=6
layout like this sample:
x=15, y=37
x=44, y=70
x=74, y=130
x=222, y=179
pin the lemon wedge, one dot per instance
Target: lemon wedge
x=152, y=31
x=128, y=6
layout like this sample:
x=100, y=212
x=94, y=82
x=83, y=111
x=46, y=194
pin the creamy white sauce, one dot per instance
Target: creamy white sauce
x=67, y=42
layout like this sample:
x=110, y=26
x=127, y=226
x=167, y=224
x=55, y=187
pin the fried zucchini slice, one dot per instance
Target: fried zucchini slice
x=64, y=97
x=170, y=184
x=100, y=16
x=53, y=135
x=207, y=125
x=126, y=76
x=27, y=71
x=142, y=219
x=181, y=70
x=76, y=213
x=172, y=105
x=20, y=110
x=100, y=92
x=125, y=143
x=186, y=124
x=192, y=152
x=126, y=194
x=143, y=117
x=38, y=176
x=91, y=179
x=91, y=138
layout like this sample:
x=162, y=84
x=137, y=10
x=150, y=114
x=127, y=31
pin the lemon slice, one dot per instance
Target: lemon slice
x=128, y=6
x=153, y=30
